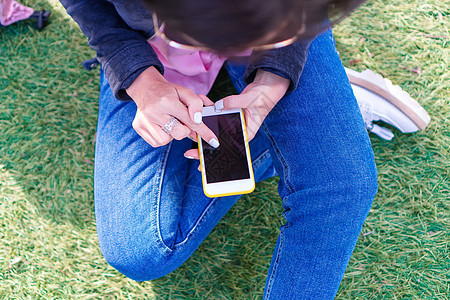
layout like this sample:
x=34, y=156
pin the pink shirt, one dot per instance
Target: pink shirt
x=196, y=70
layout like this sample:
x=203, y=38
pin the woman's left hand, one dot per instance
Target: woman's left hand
x=257, y=100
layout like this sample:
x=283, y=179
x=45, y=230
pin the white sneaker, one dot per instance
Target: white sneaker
x=379, y=99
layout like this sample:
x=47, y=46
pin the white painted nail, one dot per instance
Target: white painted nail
x=189, y=157
x=218, y=105
x=198, y=117
x=214, y=143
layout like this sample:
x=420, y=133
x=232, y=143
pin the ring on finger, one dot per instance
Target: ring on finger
x=168, y=127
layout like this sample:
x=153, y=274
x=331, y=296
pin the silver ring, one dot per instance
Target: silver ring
x=168, y=127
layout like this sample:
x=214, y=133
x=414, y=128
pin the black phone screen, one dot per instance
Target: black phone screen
x=229, y=160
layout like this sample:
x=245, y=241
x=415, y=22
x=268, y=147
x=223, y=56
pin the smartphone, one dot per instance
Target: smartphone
x=226, y=170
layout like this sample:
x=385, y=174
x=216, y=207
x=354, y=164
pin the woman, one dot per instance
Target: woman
x=302, y=117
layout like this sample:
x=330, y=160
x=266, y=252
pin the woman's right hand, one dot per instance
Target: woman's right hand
x=158, y=100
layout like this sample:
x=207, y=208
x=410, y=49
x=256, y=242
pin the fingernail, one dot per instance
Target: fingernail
x=218, y=105
x=189, y=157
x=198, y=117
x=214, y=143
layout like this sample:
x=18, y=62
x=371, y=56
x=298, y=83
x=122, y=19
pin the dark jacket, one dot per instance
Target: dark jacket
x=118, y=31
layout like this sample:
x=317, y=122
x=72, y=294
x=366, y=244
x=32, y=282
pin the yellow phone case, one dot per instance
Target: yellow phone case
x=251, y=166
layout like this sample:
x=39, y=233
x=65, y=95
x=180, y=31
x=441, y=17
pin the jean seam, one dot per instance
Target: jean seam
x=259, y=160
x=280, y=159
x=207, y=210
x=157, y=202
x=275, y=266
x=198, y=224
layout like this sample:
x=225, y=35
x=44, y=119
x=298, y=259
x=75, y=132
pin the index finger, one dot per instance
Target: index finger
x=205, y=133
x=193, y=102
x=180, y=112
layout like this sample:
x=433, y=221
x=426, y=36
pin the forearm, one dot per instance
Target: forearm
x=123, y=52
x=278, y=84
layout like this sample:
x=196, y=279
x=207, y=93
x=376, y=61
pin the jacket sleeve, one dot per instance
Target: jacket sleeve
x=123, y=52
x=287, y=62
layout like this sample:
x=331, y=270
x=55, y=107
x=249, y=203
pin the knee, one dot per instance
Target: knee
x=354, y=198
x=362, y=187
x=347, y=195
x=138, y=263
x=357, y=191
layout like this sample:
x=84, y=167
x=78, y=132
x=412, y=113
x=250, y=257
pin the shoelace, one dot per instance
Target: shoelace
x=382, y=132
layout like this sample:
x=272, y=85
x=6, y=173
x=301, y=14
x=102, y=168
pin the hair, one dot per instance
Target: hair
x=238, y=24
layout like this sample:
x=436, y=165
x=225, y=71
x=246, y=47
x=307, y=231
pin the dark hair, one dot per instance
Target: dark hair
x=237, y=24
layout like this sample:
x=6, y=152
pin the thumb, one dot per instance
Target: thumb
x=206, y=100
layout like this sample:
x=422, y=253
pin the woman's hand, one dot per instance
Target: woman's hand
x=257, y=100
x=158, y=100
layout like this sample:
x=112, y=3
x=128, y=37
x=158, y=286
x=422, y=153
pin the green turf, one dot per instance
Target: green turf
x=48, y=105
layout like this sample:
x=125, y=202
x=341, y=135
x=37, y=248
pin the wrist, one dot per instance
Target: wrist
x=146, y=78
x=274, y=81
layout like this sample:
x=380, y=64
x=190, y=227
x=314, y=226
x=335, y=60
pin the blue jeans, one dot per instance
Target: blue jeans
x=152, y=214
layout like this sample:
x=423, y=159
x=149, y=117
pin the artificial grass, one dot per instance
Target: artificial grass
x=48, y=105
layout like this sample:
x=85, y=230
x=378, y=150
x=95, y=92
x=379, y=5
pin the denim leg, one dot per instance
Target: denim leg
x=151, y=212
x=321, y=150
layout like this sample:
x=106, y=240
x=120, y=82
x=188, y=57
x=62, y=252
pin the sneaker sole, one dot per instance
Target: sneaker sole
x=384, y=88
